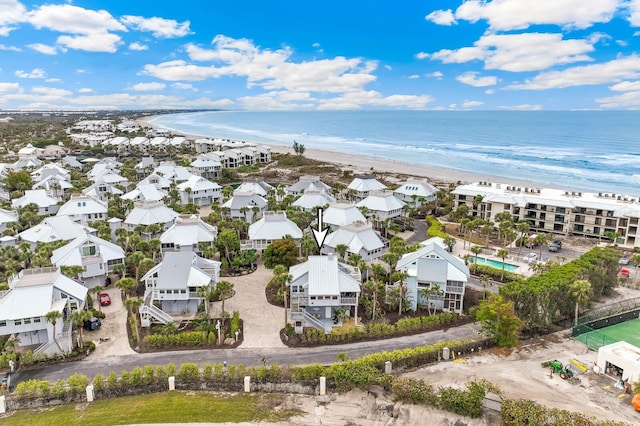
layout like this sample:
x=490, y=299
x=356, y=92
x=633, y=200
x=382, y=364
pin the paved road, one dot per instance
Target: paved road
x=249, y=357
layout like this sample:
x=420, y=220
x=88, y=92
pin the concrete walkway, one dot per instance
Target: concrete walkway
x=262, y=321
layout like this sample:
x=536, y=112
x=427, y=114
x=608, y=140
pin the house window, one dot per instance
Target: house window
x=27, y=321
x=17, y=322
x=3, y=323
x=89, y=250
x=36, y=320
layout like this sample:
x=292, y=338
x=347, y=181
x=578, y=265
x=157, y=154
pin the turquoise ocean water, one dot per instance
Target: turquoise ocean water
x=583, y=150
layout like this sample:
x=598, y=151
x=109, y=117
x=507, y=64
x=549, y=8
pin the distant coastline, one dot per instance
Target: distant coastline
x=362, y=163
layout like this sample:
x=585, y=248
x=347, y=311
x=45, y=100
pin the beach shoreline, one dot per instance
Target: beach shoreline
x=364, y=164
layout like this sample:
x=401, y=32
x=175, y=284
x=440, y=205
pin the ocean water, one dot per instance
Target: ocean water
x=583, y=150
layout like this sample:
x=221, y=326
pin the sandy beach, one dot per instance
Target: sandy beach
x=360, y=163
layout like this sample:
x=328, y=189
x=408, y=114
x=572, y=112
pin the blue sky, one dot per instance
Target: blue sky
x=436, y=54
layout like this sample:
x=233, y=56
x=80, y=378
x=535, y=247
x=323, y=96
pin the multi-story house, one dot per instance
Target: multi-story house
x=359, y=238
x=199, y=191
x=273, y=226
x=96, y=256
x=32, y=294
x=435, y=278
x=362, y=185
x=188, y=233
x=323, y=292
x=83, y=209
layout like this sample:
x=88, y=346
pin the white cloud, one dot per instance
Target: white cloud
x=269, y=69
x=66, y=18
x=436, y=74
x=505, y=15
x=138, y=46
x=471, y=104
x=52, y=80
x=629, y=99
x=422, y=55
x=11, y=12
x=50, y=91
x=43, y=48
x=11, y=48
x=413, y=77
x=441, y=17
x=85, y=90
x=95, y=42
x=35, y=73
x=9, y=88
x=489, y=91
x=184, y=86
x=522, y=107
x=472, y=79
x=626, y=86
x=159, y=27
x=634, y=13
x=388, y=67
x=355, y=100
x=519, y=52
x=140, y=87
x=602, y=73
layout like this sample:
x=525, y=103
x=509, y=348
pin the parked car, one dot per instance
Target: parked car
x=531, y=242
x=555, y=246
x=105, y=300
x=530, y=258
x=624, y=260
x=92, y=324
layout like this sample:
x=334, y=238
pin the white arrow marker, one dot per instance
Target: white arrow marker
x=320, y=234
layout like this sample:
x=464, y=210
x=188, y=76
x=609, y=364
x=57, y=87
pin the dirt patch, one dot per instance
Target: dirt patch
x=519, y=373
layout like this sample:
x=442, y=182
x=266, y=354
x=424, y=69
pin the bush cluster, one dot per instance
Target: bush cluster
x=378, y=330
x=235, y=323
x=436, y=228
x=524, y=412
x=192, y=338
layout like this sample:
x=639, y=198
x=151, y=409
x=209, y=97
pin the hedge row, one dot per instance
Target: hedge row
x=378, y=330
x=192, y=338
x=524, y=412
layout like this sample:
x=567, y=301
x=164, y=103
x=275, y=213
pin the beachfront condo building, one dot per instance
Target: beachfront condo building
x=555, y=210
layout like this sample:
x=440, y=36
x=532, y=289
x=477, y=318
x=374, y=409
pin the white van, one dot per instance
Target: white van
x=530, y=258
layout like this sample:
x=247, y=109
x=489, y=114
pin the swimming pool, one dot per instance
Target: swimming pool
x=493, y=263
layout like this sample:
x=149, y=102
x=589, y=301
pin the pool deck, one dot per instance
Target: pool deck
x=489, y=253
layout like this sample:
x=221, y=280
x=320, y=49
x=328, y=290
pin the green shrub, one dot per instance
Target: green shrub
x=98, y=382
x=136, y=376
x=58, y=390
x=436, y=229
x=465, y=402
x=112, y=380
x=235, y=324
x=413, y=391
x=125, y=379
x=78, y=383
x=148, y=374
x=189, y=372
x=207, y=372
x=171, y=369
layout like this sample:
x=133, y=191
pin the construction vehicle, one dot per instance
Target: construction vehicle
x=566, y=372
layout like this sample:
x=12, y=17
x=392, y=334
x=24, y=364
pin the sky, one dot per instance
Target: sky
x=325, y=55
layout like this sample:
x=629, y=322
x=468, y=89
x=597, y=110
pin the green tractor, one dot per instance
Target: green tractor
x=565, y=372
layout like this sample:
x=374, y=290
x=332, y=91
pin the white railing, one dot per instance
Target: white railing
x=160, y=315
x=313, y=320
x=348, y=301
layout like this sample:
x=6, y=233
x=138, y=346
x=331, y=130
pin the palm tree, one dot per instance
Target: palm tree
x=206, y=293
x=502, y=254
x=225, y=291
x=52, y=317
x=449, y=241
x=580, y=290
x=476, y=250
x=97, y=290
x=375, y=287
x=282, y=277
x=485, y=280
x=341, y=249
x=126, y=285
x=433, y=291
x=635, y=261
x=79, y=317
x=523, y=228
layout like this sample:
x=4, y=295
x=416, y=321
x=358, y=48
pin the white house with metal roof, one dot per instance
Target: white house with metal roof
x=361, y=186
x=7, y=217
x=83, y=209
x=46, y=205
x=171, y=171
x=147, y=192
x=359, y=237
x=52, y=229
x=322, y=292
x=308, y=182
x=159, y=181
x=206, y=167
x=56, y=186
x=98, y=257
x=312, y=199
x=256, y=186
x=199, y=191
x=245, y=205
x=432, y=267
x=102, y=191
x=416, y=192
x=188, y=233
x=172, y=286
x=340, y=214
x=273, y=226
x=382, y=204
x=150, y=212
x=32, y=294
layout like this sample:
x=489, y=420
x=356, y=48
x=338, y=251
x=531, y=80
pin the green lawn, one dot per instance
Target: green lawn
x=629, y=331
x=166, y=407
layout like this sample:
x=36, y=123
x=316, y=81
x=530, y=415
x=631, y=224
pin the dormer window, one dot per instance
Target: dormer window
x=89, y=250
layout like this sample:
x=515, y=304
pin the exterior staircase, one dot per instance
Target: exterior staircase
x=149, y=313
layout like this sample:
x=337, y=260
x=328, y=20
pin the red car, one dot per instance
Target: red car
x=105, y=300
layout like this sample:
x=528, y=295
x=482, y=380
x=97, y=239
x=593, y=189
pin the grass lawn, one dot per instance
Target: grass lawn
x=166, y=407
